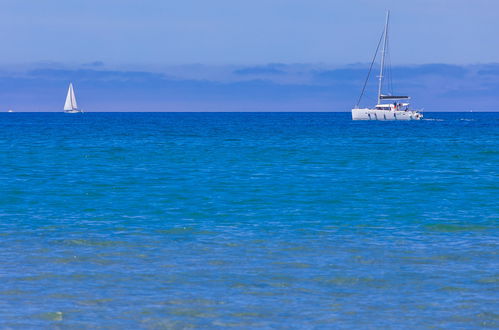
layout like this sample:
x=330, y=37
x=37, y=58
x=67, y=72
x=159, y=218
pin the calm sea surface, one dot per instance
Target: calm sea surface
x=252, y=220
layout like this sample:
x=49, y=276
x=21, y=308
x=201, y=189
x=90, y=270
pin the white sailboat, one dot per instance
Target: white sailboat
x=385, y=111
x=70, y=106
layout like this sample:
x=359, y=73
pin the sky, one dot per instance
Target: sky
x=259, y=55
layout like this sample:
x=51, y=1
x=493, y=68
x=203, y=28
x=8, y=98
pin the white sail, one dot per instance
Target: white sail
x=70, y=99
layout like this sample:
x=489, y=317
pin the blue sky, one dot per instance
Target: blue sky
x=243, y=32
x=258, y=55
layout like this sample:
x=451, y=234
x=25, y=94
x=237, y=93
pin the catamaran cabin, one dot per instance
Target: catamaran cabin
x=393, y=106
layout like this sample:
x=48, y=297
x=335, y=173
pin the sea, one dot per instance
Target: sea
x=248, y=220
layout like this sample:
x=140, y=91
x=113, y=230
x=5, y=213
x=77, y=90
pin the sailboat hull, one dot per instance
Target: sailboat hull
x=371, y=114
x=73, y=111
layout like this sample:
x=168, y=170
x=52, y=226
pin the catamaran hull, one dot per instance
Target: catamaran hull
x=370, y=114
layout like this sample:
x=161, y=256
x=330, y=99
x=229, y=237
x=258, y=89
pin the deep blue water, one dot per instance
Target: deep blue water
x=252, y=220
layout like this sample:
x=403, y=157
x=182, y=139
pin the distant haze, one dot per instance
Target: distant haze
x=271, y=87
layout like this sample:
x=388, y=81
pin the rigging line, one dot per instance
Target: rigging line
x=390, y=73
x=390, y=66
x=370, y=68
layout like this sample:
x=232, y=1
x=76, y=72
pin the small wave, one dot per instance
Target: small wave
x=85, y=242
x=454, y=228
x=433, y=119
x=453, y=289
x=94, y=302
x=466, y=119
x=293, y=264
x=50, y=316
x=184, y=231
x=489, y=280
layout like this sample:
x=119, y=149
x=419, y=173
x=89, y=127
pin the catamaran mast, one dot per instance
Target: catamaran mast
x=383, y=56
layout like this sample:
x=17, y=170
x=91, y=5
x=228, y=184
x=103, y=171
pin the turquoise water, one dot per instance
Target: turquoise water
x=252, y=220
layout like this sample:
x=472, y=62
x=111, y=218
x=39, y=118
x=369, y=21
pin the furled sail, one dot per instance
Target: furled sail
x=393, y=97
x=70, y=99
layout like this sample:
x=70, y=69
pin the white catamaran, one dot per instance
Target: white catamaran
x=388, y=111
x=70, y=106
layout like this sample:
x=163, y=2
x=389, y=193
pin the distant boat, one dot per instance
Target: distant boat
x=70, y=106
x=10, y=110
x=387, y=111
